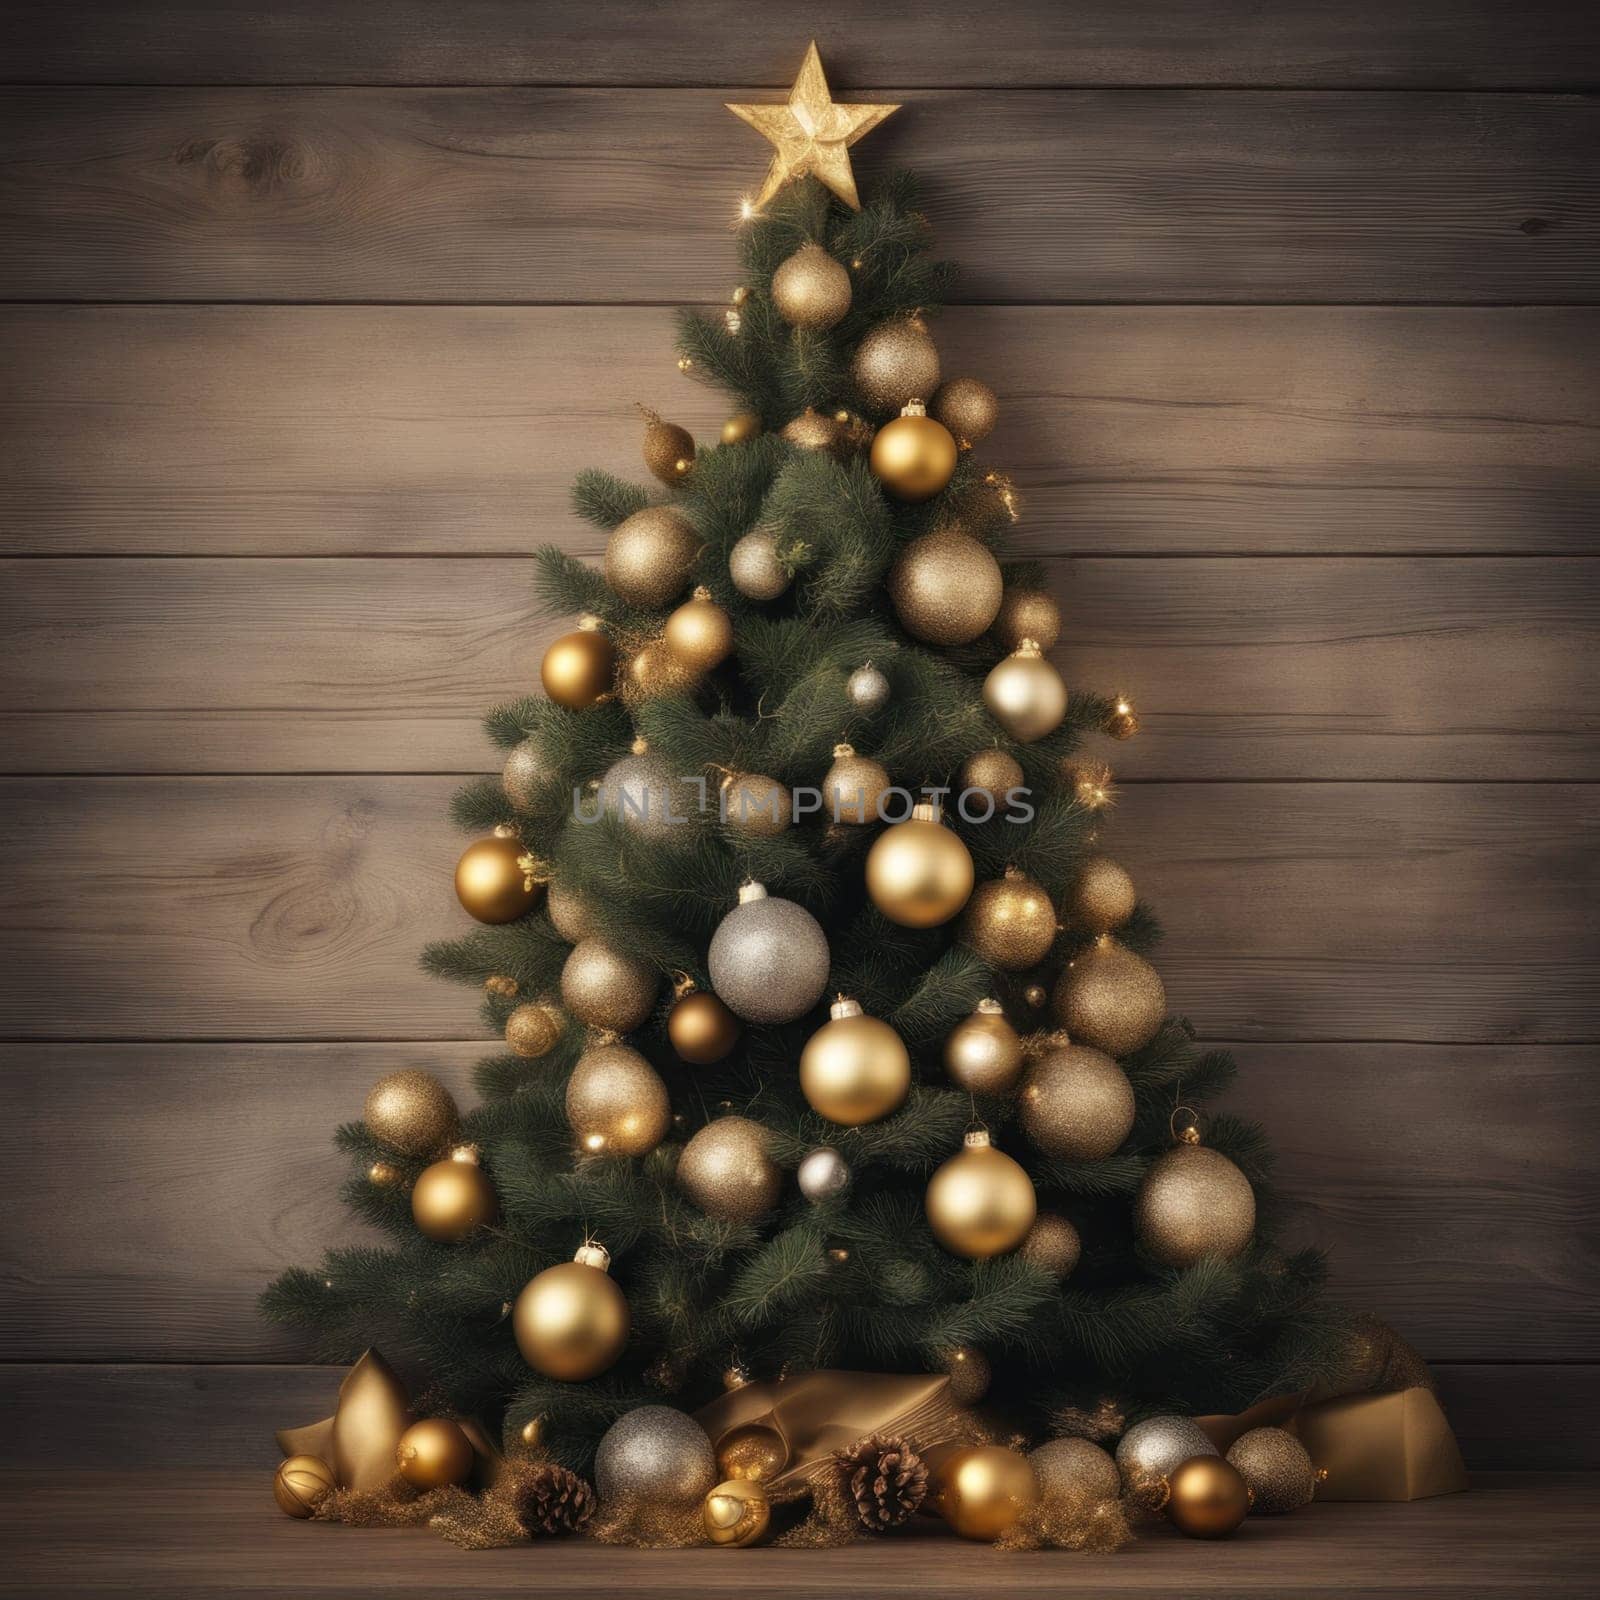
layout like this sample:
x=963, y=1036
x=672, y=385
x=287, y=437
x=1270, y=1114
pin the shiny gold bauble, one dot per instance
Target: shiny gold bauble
x=994, y=772
x=1123, y=722
x=701, y=1028
x=754, y=1452
x=737, y=1513
x=1010, y=922
x=741, y=426
x=756, y=806
x=571, y=1321
x=945, y=587
x=532, y=1432
x=617, y=1105
x=452, y=1199
x=982, y=1490
x=853, y=786
x=1077, y=1104
x=983, y=1054
x=919, y=874
x=648, y=556
x=1152, y=1450
x=754, y=566
x=434, y=1453
x=654, y=1458
x=411, y=1112
x=1276, y=1470
x=1075, y=1469
x=968, y=408
x=534, y=1029
x=810, y=289
x=1102, y=896
x=1207, y=1498
x=301, y=1483
x=811, y=430
x=607, y=989
x=570, y=914
x=969, y=1372
x=385, y=1174
x=854, y=1068
x=1025, y=694
x=1052, y=1245
x=1111, y=998
x=578, y=668
x=668, y=449
x=980, y=1203
x=493, y=881
x=726, y=1169
x=699, y=633
x=913, y=457
x=1027, y=614
x=895, y=363
x=1194, y=1202
x=526, y=775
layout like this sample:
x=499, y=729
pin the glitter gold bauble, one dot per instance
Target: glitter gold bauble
x=945, y=587
x=895, y=363
x=1027, y=614
x=411, y=1112
x=968, y=408
x=699, y=633
x=868, y=688
x=726, y=1169
x=654, y=1456
x=434, y=1453
x=494, y=880
x=1152, y=1450
x=1025, y=694
x=639, y=790
x=534, y=1029
x=1075, y=1469
x=969, y=1372
x=668, y=449
x=823, y=1174
x=854, y=1068
x=1102, y=896
x=526, y=775
x=570, y=914
x=648, y=556
x=769, y=958
x=1077, y=1104
x=754, y=566
x=913, y=457
x=606, y=989
x=983, y=1054
x=578, y=669
x=301, y=1483
x=617, y=1105
x=994, y=772
x=452, y=1199
x=919, y=874
x=853, y=786
x=811, y=430
x=980, y=1203
x=701, y=1028
x=737, y=1513
x=756, y=806
x=500, y=986
x=1110, y=998
x=1276, y=1470
x=1010, y=922
x=741, y=426
x=571, y=1321
x=653, y=671
x=1206, y=1498
x=754, y=1453
x=1052, y=1245
x=810, y=289
x=981, y=1490
x=1194, y=1202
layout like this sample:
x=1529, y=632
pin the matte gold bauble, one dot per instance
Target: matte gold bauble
x=1207, y=1498
x=434, y=1453
x=895, y=363
x=982, y=1490
x=570, y=914
x=983, y=1054
x=1075, y=1469
x=968, y=408
x=452, y=1199
x=810, y=289
x=769, y=957
x=1025, y=694
x=494, y=878
x=853, y=786
x=994, y=772
x=526, y=775
x=741, y=426
x=919, y=874
x=754, y=566
x=1111, y=998
x=668, y=449
x=699, y=633
x=1027, y=614
x=1276, y=1470
x=945, y=587
x=1010, y=922
x=654, y=1457
x=980, y=1203
x=301, y=1483
x=726, y=1169
x=1052, y=1246
x=756, y=806
x=1152, y=1450
x=1102, y=896
x=411, y=1112
x=607, y=989
x=701, y=1028
x=811, y=430
x=969, y=1372
x=913, y=457
x=1077, y=1104
x=534, y=1029
x=616, y=1103
x=1194, y=1203
x=854, y=1068
x=755, y=1453
x=648, y=556
x=571, y=1322
x=578, y=669
x=737, y=1513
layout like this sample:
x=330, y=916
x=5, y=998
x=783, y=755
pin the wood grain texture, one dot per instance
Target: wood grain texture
x=355, y=430
x=562, y=195
x=1445, y=44
x=1243, y=668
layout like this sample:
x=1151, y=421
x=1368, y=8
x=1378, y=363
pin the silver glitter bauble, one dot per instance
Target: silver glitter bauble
x=868, y=688
x=655, y=1454
x=1152, y=1449
x=526, y=775
x=768, y=958
x=639, y=789
x=755, y=569
x=823, y=1174
x=1075, y=1469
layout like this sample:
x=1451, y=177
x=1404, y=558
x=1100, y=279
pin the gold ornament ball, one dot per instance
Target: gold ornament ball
x=300, y=1484
x=1207, y=1498
x=1194, y=1202
x=578, y=669
x=983, y=1489
x=1025, y=694
x=811, y=430
x=853, y=786
x=1027, y=614
x=385, y=1174
x=995, y=772
x=607, y=989
x=1035, y=994
x=434, y=1453
x=1102, y=896
x=534, y=1029
x=617, y=1105
x=741, y=427
x=1075, y=1469
x=570, y=914
x=755, y=1453
x=1077, y=1104
x=811, y=289
x=654, y=1457
x=736, y=1513
x=1052, y=1245
x=571, y=1321
x=654, y=671
x=649, y=555
x=726, y=1169
x=1111, y=998
x=980, y=1203
x=854, y=1068
x=411, y=1112
x=945, y=587
x=968, y=408
x=668, y=449
x=1123, y=722
x=919, y=874
x=699, y=633
x=983, y=1054
x=1276, y=1470
x=501, y=987
x=754, y=566
x=701, y=1028
x=532, y=1432
x=1010, y=922
x=1152, y=1450
x=525, y=775
x=895, y=363
x=492, y=882
x=452, y=1199
x=756, y=806
x=913, y=457
x=969, y=1373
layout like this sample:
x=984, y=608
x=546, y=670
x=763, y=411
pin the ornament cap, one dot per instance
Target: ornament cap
x=976, y=1139
x=468, y=1154
x=844, y=1007
x=640, y=745
x=913, y=408
x=1027, y=650
x=843, y=752
x=751, y=890
x=588, y=623
x=590, y=1254
x=700, y=592
x=505, y=830
x=989, y=1007
x=926, y=811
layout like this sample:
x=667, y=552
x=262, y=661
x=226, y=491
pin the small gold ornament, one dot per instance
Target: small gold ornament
x=868, y=688
x=983, y=1054
x=1152, y=1450
x=1027, y=614
x=919, y=874
x=1075, y=1469
x=896, y=363
x=755, y=1453
x=495, y=880
x=726, y=1169
x=1052, y=1245
x=756, y=806
x=578, y=669
x=501, y=987
x=968, y=408
x=701, y=1028
x=838, y=1255
x=648, y=556
x=1035, y=994
x=969, y=1372
x=525, y=775
x=532, y=1432
x=1102, y=896
x=813, y=431
x=1025, y=694
x=737, y=1513
x=1194, y=1202
x=994, y=772
x=452, y=1199
x=699, y=633
x=980, y=1203
x=769, y=957
x=570, y=914
x=1010, y=922
x=945, y=587
x=411, y=1112
x=654, y=1457
x=1207, y=1498
x=914, y=457
x=607, y=989
x=811, y=289
x=1123, y=722
x=434, y=1453
x=571, y=1321
x=384, y=1174
x=685, y=363
x=855, y=1068
x=668, y=449
x=981, y=1490
x=736, y=1375
x=1111, y=998
x=617, y=1105
x=1091, y=783
x=741, y=427
x=853, y=786
x=1276, y=1470
x=1077, y=1104
x=301, y=1483
x=754, y=566
x=534, y=1029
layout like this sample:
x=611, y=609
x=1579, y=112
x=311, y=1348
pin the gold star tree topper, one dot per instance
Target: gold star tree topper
x=812, y=134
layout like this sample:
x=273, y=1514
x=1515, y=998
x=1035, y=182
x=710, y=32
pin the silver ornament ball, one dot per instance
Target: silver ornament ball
x=768, y=958
x=754, y=566
x=1155, y=1448
x=823, y=1174
x=526, y=775
x=656, y=1454
x=639, y=791
x=868, y=688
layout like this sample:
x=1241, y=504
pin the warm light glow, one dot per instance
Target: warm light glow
x=747, y=209
x=594, y=1141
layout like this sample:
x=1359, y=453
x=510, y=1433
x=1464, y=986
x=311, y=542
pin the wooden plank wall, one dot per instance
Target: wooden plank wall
x=310, y=311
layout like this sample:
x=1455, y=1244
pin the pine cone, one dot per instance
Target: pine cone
x=549, y=1499
x=885, y=1477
